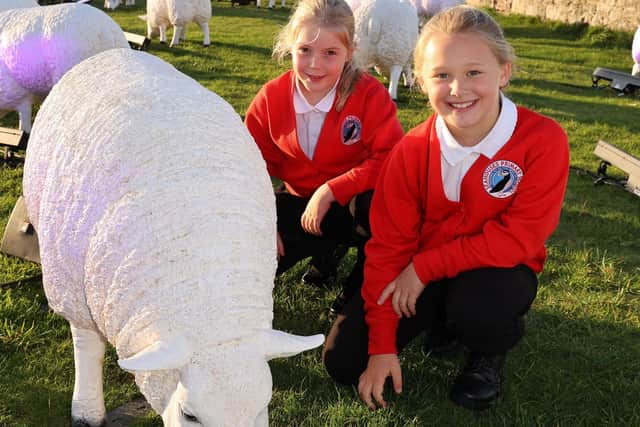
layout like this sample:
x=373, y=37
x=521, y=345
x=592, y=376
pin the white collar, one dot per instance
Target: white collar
x=497, y=137
x=301, y=105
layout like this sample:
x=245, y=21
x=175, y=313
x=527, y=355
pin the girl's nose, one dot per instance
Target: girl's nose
x=456, y=87
x=313, y=61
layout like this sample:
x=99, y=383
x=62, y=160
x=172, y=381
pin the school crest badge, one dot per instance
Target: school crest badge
x=500, y=179
x=351, y=130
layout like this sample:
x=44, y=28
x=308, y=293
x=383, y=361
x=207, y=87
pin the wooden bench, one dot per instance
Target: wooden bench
x=622, y=82
x=12, y=140
x=612, y=155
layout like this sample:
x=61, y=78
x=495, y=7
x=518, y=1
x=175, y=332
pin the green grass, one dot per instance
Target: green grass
x=579, y=362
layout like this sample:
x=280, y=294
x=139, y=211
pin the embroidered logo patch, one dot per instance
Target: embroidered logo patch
x=500, y=179
x=351, y=130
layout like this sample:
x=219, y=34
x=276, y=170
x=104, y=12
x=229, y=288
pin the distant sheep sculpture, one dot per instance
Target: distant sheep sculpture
x=17, y=4
x=386, y=35
x=272, y=3
x=162, y=14
x=157, y=230
x=424, y=8
x=39, y=44
x=428, y=8
x=113, y=4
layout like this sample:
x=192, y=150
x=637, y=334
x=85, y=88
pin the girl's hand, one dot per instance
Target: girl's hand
x=316, y=209
x=279, y=245
x=406, y=288
x=371, y=383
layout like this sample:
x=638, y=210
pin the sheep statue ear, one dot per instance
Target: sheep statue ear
x=173, y=353
x=282, y=344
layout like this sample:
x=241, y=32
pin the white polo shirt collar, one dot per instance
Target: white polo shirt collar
x=302, y=106
x=497, y=137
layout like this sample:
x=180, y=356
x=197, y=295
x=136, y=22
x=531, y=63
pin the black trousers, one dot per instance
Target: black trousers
x=342, y=225
x=481, y=308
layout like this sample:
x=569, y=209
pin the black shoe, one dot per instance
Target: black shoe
x=323, y=269
x=338, y=304
x=318, y=278
x=480, y=382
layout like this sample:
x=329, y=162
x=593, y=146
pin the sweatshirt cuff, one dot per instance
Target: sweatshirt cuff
x=382, y=337
x=341, y=189
x=421, y=265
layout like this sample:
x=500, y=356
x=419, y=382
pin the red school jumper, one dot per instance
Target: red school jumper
x=352, y=144
x=509, y=205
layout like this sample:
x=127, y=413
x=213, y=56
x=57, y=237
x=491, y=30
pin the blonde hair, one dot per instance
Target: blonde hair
x=463, y=19
x=333, y=14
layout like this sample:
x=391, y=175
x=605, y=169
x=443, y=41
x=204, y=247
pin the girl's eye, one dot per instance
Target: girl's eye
x=473, y=73
x=303, y=49
x=442, y=76
x=331, y=53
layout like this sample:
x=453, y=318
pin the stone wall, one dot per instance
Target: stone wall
x=614, y=14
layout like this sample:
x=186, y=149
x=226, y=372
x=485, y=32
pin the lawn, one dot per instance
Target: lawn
x=579, y=363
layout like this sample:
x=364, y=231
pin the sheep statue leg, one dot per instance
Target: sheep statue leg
x=394, y=78
x=205, y=30
x=407, y=74
x=163, y=34
x=177, y=31
x=24, y=113
x=87, y=406
x=635, y=71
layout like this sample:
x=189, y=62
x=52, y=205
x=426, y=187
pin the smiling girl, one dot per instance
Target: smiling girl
x=324, y=128
x=459, y=220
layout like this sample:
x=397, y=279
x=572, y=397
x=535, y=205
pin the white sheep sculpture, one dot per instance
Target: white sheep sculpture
x=39, y=44
x=272, y=3
x=428, y=8
x=162, y=14
x=157, y=230
x=386, y=35
x=17, y=4
x=114, y=4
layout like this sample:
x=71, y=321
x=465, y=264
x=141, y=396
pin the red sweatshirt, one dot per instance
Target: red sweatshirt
x=509, y=205
x=352, y=144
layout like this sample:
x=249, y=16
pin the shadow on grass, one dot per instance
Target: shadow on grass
x=277, y=14
x=581, y=110
x=567, y=371
x=602, y=218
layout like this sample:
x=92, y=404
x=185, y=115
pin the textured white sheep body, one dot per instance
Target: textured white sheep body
x=157, y=230
x=386, y=34
x=17, y=4
x=113, y=4
x=39, y=44
x=162, y=14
